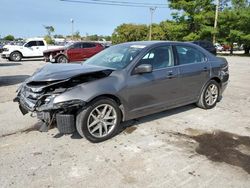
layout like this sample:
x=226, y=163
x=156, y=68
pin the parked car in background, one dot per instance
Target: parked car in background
x=1, y=48
x=78, y=51
x=33, y=48
x=123, y=82
x=226, y=47
x=218, y=47
x=206, y=45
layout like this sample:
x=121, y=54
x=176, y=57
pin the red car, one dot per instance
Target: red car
x=78, y=51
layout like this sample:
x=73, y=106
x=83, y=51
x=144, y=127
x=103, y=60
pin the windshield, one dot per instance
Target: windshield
x=115, y=57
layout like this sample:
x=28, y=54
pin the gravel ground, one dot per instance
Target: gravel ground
x=183, y=147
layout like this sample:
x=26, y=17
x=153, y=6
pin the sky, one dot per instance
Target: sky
x=26, y=18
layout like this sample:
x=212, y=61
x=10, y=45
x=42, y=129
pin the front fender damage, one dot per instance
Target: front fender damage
x=40, y=97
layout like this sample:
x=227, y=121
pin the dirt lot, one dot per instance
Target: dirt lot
x=184, y=147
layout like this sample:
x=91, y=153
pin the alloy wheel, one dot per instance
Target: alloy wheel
x=16, y=57
x=211, y=95
x=102, y=120
x=62, y=60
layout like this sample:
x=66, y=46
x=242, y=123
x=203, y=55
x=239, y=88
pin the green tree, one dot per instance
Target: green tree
x=107, y=38
x=234, y=25
x=173, y=30
x=49, y=29
x=198, y=16
x=130, y=32
x=158, y=32
x=77, y=35
x=9, y=38
x=93, y=37
x=48, y=39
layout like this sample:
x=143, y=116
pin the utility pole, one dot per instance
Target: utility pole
x=216, y=19
x=152, y=10
x=72, y=28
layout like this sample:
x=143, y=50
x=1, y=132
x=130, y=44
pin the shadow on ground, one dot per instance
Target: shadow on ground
x=9, y=64
x=23, y=60
x=12, y=80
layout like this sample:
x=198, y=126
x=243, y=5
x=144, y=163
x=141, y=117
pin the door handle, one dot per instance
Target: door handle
x=205, y=69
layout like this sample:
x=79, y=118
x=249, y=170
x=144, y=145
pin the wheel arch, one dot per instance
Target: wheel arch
x=17, y=51
x=217, y=79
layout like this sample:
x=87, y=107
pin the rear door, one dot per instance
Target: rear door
x=194, y=72
x=41, y=47
x=150, y=92
x=90, y=49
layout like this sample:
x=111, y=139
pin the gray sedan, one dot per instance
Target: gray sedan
x=123, y=82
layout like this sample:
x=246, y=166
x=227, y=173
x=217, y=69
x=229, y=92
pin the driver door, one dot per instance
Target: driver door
x=31, y=49
x=151, y=92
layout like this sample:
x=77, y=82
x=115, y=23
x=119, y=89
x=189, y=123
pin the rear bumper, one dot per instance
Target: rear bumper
x=223, y=86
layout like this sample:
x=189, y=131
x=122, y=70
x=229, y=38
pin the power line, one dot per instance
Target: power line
x=129, y=2
x=115, y=3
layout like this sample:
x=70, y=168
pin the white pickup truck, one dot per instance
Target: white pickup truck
x=33, y=48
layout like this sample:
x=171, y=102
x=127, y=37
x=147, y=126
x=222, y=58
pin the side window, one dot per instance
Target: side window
x=159, y=57
x=88, y=45
x=188, y=55
x=40, y=43
x=77, y=45
x=30, y=44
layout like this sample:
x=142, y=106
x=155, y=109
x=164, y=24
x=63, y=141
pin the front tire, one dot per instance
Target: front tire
x=209, y=95
x=99, y=121
x=62, y=59
x=15, y=56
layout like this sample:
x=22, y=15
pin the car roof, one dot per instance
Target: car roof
x=88, y=42
x=155, y=43
x=149, y=44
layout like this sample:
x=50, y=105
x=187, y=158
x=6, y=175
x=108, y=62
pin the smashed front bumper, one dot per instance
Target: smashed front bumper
x=63, y=113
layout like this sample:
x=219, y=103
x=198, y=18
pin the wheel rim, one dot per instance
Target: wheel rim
x=211, y=94
x=62, y=60
x=102, y=120
x=16, y=56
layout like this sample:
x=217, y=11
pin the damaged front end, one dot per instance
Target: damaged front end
x=40, y=97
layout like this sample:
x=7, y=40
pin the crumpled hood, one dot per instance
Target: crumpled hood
x=57, y=72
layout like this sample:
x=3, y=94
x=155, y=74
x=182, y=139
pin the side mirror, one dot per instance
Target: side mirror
x=143, y=68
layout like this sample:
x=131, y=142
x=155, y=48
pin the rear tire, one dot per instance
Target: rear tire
x=100, y=121
x=15, y=56
x=62, y=59
x=209, y=95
